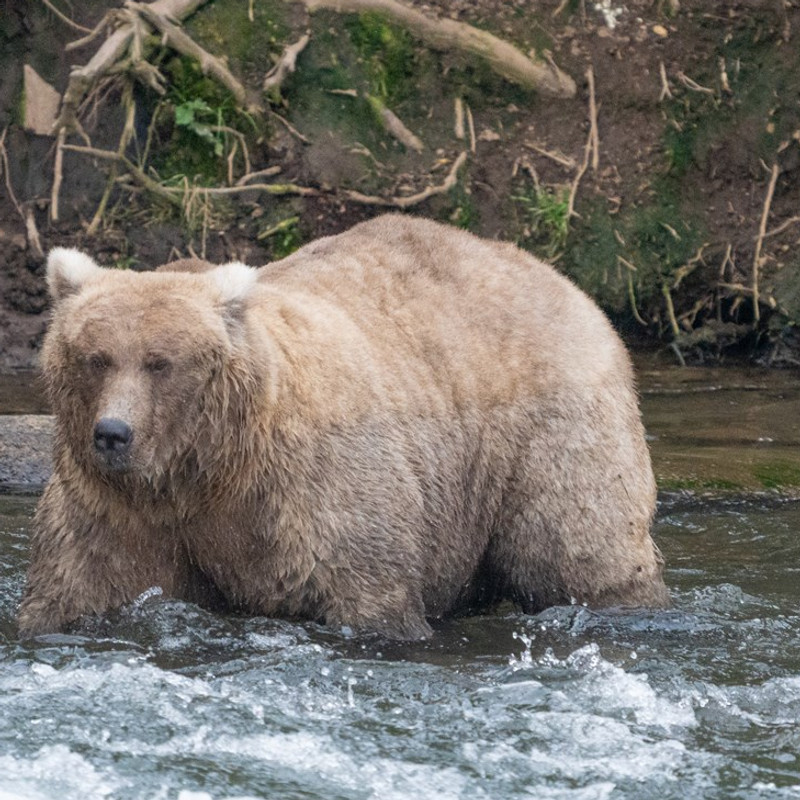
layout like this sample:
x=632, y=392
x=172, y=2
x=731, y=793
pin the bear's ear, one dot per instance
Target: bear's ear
x=68, y=270
x=234, y=281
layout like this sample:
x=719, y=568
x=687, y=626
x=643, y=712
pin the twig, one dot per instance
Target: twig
x=285, y=65
x=137, y=174
x=595, y=139
x=458, y=127
x=32, y=232
x=91, y=36
x=65, y=19
x=414, y=199
x=471, y=126
x=288, y=125
x=558, y=157
x=762, y=228
x=448, y=34
x=694, y=86
x=665, y=90
x=7, y=172
x=587, y=152
x=782, y=227
x=262, y=173
x=58, y=173
x=632, y=298
x=673, y=323
x=394, y=125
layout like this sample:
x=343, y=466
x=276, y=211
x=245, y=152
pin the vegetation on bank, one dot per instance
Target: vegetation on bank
x=669, y=194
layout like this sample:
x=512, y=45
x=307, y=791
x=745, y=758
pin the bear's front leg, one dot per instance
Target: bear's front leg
x=87, y=562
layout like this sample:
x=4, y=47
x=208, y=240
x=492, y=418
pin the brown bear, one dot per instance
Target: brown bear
x=390, y=425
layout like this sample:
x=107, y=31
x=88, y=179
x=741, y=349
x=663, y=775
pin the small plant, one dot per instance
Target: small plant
x=546, y=212
x=194, y=116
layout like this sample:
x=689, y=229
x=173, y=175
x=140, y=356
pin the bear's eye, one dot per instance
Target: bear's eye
x=97, y=362
x=157, y=364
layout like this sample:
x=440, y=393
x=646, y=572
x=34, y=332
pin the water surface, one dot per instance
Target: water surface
x=163, y=700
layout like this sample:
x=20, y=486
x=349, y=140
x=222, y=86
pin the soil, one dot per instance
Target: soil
x=696, y=160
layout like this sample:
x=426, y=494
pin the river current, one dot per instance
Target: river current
x=163, y=700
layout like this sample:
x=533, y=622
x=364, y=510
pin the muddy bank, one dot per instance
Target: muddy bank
x=684, y=228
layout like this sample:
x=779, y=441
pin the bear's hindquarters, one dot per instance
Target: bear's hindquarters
x=575, y=523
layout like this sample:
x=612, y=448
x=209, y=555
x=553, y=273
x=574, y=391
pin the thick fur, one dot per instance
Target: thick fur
x=396, y=423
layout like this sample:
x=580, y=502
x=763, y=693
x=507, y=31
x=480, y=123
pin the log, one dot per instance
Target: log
x=448, y=34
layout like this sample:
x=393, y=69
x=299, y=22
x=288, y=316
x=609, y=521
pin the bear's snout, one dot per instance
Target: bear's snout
x=112, y=440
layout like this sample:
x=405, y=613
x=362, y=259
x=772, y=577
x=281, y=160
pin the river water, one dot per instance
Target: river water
x=163, y=700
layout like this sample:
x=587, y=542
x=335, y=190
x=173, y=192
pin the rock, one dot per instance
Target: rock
x=25, y=451
x=41, y=103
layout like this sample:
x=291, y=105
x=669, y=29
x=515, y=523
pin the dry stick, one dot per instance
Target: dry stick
x=285, y=65
x=91, y=36
x=458, y=127
x=673, y=322
x=137, y=174
x=64, y=18
x=665, y=90
x=7, y=172
x=693, y=85
x=393, y=125
x=587, y=151
x=595, y=139
x=782, y=227
x=414, y=199
x=762, y=228
x=262, y=173
x=471, y=125
x=178, y=40
x=558, y=157
x=124, y=140
x=447, y=34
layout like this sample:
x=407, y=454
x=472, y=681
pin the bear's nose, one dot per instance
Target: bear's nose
x=112, y=435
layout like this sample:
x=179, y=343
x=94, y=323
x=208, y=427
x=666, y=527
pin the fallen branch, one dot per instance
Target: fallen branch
x=762, y=229
x=285, y=65
x=414, y=199
x=448, y=34
x=178, y=40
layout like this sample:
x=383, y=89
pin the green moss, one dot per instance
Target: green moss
x=778, y=474
x=224, y=28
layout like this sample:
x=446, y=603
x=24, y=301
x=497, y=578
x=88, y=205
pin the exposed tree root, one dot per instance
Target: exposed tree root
x=448, y=35
x=284, y=66
x=414, y=199
x=762, y=230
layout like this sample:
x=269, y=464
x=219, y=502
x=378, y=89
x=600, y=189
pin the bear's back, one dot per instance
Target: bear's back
x=488, y=318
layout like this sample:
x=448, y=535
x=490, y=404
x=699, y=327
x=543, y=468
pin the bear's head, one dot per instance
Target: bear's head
x=130, y=359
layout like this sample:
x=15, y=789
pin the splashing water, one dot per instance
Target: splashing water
x=163, y=700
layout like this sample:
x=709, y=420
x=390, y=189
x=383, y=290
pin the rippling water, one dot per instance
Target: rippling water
x=167, y=701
